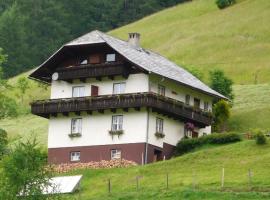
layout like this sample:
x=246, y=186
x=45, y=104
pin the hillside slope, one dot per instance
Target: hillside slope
x=202, y=168
x=198, y=34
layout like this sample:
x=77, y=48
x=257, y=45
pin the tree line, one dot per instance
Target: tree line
x=31, y=30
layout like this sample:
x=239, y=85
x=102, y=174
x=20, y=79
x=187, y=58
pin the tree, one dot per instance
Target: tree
x=221, y=111
x=22, y=85
x=25, y=172
x=8, y=106
x=224, y=3
x=221, y=83
x=3, y=142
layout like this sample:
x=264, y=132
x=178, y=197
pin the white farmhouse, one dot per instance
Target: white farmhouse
x=113, y=99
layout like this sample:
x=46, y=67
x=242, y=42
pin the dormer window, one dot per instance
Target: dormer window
x=110, y=57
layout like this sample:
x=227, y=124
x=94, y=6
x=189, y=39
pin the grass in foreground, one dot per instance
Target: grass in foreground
x=201, y=168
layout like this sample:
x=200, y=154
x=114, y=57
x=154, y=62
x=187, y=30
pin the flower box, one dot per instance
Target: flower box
x=72, y=135
x=159, y=135
x=116, y=132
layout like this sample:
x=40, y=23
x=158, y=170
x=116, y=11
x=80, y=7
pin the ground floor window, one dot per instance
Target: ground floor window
x=115, y=154
x=75, y=156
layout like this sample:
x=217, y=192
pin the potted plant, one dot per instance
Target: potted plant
x=116, y=132
x=159, y=135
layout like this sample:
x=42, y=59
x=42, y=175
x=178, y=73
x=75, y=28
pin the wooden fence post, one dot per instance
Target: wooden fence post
x=137, y=183
x=109, y=186
x=249, y=178
x=167, y=180
x=222, y=177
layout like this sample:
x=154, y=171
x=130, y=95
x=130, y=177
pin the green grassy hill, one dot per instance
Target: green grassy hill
x=195, y=35
x=198, y=34
x=201, y=168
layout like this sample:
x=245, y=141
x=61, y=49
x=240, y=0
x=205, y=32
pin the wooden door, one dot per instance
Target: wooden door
x=195, y=134
x=94, y=90
x=95, y=59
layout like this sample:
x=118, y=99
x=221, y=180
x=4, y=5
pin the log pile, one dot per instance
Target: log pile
x=117, y=163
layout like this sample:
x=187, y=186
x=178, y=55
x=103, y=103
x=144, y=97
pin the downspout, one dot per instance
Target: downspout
x=147, y=128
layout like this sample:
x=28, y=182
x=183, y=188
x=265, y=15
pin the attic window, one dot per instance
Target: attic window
x=110, y=57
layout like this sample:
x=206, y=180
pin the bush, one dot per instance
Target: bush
x=3, y=142
x=185, y=145
x=224, y=3
x=260, y=138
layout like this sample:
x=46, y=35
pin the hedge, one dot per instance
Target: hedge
x=187, y=144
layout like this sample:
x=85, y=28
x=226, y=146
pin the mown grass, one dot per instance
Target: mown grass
x=199, y=35
x=194, y=175
x=251, y=107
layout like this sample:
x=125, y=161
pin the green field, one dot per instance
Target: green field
x=195, y=175
x=199, y=35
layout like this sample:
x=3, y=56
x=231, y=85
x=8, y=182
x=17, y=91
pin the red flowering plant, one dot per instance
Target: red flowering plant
x=189, y=126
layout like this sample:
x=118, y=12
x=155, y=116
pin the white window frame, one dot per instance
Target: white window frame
x=78, y=91
x=197, y=99
x=187, y=99
x=119, y=88
x=159, y=125
x=116, y=154
x=75, y=156
x=206, y=106
x=161, y=90
x=76, y=125
x=110, y=57
x=117, y=123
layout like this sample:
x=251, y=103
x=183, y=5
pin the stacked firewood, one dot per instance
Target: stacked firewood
x=117, y=163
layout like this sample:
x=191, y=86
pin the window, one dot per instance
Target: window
x=197, y=103
x=110, y=57
x=78, y=91
x=76, y=125
x=119, y=88
x=117, y=122
x=188, y=99
x=161, y=90
x=75, y=156
x=206, y=106
x=115, y=154
x=159, y=125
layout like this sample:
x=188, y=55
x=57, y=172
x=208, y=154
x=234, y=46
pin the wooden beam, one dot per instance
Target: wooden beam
x=111, y=77
x=54, y=114
x=101, y=111
x=89, y=112
x=98, y=78
x=113, y=110
x=65, y=114
x=83, y=80
x=137, y=108
x=125, y=109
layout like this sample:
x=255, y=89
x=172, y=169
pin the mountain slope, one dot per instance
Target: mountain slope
x=202, y=168
x=199, y=35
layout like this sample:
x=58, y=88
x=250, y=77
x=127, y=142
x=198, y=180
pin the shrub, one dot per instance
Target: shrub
x=260, y=138
x=3, y=142
x=224, y=3
x=185, y=145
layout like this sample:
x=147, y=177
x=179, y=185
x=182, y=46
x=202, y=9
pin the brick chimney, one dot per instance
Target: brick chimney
x=134, y=39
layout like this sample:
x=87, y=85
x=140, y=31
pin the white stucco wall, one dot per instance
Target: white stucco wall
x=181, y=91
x=95, y=129
x=134, y=83
x=173, y=130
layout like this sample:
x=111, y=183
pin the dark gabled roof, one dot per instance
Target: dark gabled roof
x=148, y=60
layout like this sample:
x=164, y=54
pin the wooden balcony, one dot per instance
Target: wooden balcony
x=163, y=105
x=93, y=70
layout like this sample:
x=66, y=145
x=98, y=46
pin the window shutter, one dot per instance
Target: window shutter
x=94, y=90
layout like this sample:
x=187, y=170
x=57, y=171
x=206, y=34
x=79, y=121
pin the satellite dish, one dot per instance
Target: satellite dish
x=55, y=76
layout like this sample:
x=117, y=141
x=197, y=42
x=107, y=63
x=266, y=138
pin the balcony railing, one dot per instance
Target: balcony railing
x=93, y=70
x=160, y=104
